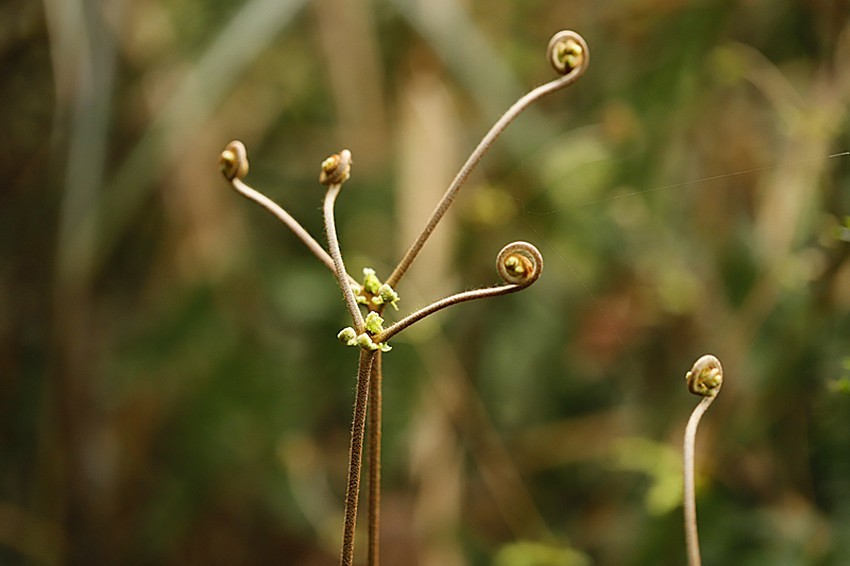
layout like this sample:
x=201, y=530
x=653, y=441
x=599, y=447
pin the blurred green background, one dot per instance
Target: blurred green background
x=171, y=388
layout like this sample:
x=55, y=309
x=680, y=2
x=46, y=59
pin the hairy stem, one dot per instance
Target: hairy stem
x=479, y=152
x=691, y=536
x=519, y=264
x=375, y=410
x=443, y=303
x=261, y=199
x=355, y=455
x=296, y=228
x=339, y=266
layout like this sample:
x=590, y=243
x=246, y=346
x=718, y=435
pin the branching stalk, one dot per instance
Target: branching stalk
x=519, y=265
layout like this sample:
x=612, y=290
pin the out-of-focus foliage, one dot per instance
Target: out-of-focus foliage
x=171, y=387
x=536, y=554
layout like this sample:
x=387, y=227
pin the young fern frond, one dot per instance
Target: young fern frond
x=569, y=55
x=705, y=379
x=336, y=170
x=519, y=265
x=233, y=162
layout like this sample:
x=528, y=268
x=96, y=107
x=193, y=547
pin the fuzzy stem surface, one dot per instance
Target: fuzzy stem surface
x=443, y=303
x=375, y=418
x=355, y=455
x=254, y=195
x=336, y=255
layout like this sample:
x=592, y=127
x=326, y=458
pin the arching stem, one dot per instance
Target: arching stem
x=336, y=255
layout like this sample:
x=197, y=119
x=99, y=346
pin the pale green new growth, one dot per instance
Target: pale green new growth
x=348, y=336
x=365, y=341
x=386, y=296
x=374, y=323
x=371, y=282
x=382, y=293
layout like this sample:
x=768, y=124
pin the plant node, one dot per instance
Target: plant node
x=365, y=341
x=386, y=295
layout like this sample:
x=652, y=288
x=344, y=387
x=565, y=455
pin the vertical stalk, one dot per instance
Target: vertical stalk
x=336, y=255
x=705, y=379
x=691, y=536
x=355, y=455
x=375, y=410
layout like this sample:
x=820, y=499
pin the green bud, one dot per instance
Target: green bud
x=386, y=294
x=370, y=281
x=374, y=323
x=348, y=336
x=365, y=341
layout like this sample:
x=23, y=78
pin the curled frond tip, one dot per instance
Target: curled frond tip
x=519, y=263
x=568, y=52
x=336, y=169
x=705, y=377
x=233, y=161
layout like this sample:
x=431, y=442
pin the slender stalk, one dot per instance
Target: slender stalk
x=339, y=265
x=519, y=264
x=691, y=536
x=483, y=146
x=455, y=299
x=704, y=379
x=235, y=166
x=375, y=417
x=355, y=455
x=296, y=228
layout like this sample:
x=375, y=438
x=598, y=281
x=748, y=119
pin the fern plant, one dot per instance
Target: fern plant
x=519, y=264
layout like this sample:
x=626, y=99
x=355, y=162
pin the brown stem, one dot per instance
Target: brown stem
x=235, y=161
x=339, y=265
x=355, y=455
x=455, y=299
x=375, y=417
x=519, y=264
